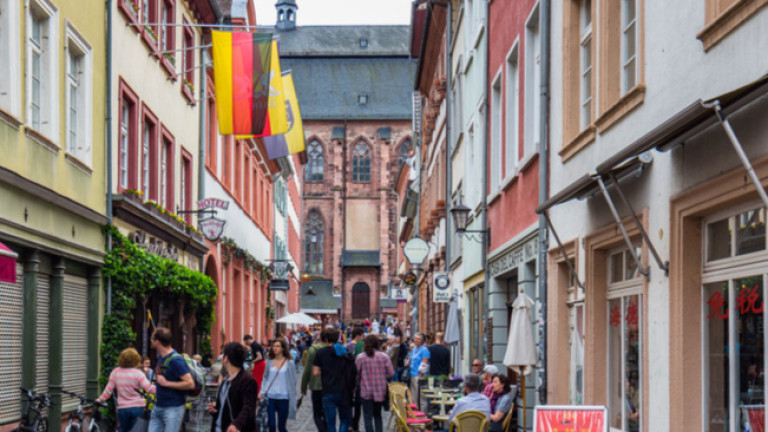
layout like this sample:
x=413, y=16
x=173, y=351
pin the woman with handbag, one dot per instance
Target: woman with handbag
x=279, y=386
x=237, y=395
x=374, y=369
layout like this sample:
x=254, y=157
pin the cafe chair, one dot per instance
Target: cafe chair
x=469, y=421
x=509, y=420
x=403, y=422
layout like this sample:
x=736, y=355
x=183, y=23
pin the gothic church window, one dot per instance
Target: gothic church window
x=314, y=170
x=361, y=163
x=313, y=243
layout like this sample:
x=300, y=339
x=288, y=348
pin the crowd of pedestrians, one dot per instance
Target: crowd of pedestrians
x=346, y=370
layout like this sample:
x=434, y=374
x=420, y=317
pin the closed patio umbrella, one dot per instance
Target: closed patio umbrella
x=453, y=332
x=521, y=348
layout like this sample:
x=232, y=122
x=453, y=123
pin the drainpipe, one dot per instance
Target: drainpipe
x=203, y=125
x=486, y=238
x=543, y=191
x=108, y=141
x=344, y=219
x=448, y=111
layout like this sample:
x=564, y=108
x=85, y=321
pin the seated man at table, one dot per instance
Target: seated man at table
x=473, y=400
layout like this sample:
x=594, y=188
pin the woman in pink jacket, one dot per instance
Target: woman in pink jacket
x=128, y=379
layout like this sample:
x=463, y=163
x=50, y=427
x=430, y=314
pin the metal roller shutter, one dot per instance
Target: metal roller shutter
x=75, y=340
x=41, y=351
x=11, y=315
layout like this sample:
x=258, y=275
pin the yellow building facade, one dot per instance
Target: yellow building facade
x=52, y=197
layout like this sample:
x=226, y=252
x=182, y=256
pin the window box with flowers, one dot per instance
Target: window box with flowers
x=188, y=89
x=134, y=195
x=171, y=57
x=149, y=36
x=130, y=9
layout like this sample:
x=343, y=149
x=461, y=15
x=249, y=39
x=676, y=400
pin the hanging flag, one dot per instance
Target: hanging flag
x=295, y=135
x=276, y=146
x=249, y=99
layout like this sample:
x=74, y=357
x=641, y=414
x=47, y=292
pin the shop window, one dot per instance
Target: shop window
x=576, y=327
x=734, y=316
x=625, y=339
x=736, y=235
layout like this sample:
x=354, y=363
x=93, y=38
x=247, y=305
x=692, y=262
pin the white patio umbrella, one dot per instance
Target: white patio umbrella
x=521, y=348
x=453, y=331
x=299, y=318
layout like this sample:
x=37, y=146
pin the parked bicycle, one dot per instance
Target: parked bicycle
x=77, y=418
x=32, y=419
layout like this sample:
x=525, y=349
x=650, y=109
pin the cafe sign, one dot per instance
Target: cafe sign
x=154, y=246
x=577, y=418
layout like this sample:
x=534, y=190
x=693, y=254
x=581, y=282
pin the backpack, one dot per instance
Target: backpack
x=195, y=370
x=350, y=379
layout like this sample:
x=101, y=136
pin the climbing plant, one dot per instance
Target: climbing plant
x=230, y=250
x=137, y=275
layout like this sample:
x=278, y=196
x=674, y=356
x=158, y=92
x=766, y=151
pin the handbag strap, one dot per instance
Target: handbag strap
x=275, y=377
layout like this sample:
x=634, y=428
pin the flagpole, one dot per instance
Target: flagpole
x=266, y=29
x=181, y=49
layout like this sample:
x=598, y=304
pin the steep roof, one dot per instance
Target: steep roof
x=344, y=41
x=329, y=88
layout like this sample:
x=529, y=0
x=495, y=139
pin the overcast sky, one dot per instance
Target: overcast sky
x=340, y=12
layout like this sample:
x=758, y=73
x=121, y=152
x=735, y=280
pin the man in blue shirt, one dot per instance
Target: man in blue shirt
x=473, y=400
x=419, y=366
x=173, y=380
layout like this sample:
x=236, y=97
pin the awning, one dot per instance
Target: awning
x=687, y=123
x=320, y=311
x=7, y=264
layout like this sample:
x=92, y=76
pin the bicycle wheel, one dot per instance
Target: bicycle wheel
x=74, y=427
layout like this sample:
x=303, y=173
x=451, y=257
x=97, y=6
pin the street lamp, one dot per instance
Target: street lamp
x=460, y=214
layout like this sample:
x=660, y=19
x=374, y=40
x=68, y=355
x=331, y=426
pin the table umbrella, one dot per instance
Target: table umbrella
x=299, y=318
x=521, y=348
x=453, y=331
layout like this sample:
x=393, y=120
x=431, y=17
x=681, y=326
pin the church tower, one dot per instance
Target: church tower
x=286, y=15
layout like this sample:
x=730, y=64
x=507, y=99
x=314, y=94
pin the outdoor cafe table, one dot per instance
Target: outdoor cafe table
x=440, y=418
x=443, y=402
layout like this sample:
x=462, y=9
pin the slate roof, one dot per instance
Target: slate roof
x=323, y=298
x=344, y=41
x=328, y=88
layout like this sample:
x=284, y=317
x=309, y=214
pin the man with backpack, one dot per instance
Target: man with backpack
x=174, y=381
x=336, y=368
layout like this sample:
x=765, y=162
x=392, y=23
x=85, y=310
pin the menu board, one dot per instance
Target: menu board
x=570, y=419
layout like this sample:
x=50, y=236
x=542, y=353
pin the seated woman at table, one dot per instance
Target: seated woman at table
x=502, y=400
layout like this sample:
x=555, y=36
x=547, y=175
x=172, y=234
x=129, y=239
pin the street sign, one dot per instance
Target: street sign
x=416, y=250
x=212, y=227
x=441, y=292
x=570, y=418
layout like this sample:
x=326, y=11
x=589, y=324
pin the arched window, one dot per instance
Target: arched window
x=313, y=243
x=361, y=163
x=404, y=155
x=314, y=170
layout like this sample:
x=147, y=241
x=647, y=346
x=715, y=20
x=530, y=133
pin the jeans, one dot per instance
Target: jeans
x=358, y=403
x=372, y=415
x=332, y=403
x=127, y=417
x=317, y=410
x=279, y=407
x=166, y=419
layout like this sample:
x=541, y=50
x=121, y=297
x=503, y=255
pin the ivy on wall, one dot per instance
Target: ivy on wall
x=137, y=275
x=231, y=250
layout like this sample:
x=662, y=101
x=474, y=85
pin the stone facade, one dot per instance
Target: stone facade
x=369, y=208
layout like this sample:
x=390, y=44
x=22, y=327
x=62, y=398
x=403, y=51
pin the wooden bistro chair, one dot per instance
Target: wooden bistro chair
x=403, y=422
x=470, y=421
x=509, y=420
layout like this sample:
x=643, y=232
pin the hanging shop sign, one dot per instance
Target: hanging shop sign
x=441, y=292
x=416, y=251
x=399, y=294
x=212, y=228
x=570, y=419
x=154, y=246
x=280, y=273
x=410, y=278
x=212, y=203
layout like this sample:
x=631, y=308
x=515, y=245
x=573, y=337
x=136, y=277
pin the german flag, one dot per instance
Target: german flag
x=249, y=91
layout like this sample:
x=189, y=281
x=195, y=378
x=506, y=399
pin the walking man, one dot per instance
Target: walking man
x=439, y=357
x=173, y=380
x=337, y=370
x=355, y=346
x=236, y=399
x=315, y=383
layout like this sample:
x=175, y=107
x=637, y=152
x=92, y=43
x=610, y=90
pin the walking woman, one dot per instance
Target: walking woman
x=279, y=386
x=374, y=370
x=127, y=379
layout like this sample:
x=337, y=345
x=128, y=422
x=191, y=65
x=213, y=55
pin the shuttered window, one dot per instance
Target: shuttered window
x=41, y=350
x=11, y=315
x=75, y=338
